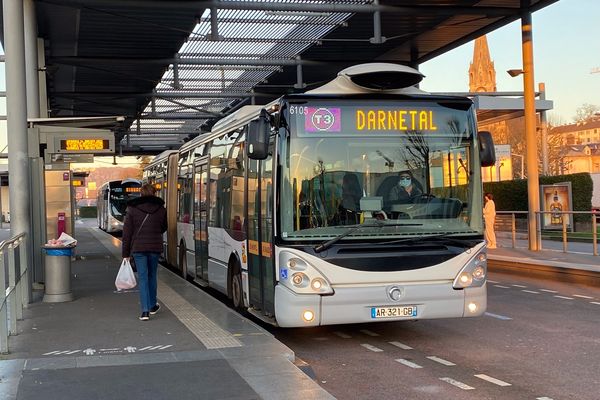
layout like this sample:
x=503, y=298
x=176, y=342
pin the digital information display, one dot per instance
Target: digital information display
x=384, y=119
x=77, y=145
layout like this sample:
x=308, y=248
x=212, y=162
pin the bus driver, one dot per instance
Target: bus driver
x=406, y=191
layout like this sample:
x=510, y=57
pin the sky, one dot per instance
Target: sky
x=566, y=46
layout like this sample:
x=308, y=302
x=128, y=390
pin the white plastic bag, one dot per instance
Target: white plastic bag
x=125, y=277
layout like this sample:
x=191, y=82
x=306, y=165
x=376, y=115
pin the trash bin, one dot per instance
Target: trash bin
x=57, y=272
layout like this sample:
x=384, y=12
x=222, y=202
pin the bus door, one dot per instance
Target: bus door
x=261, y=266
x=201, y=217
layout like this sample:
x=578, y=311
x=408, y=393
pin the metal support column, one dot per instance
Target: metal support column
x=377, y=38
x=16, y=111
x=299, y=77
x=36, y=163
x=31, y=59
x=533, y=193
x=544, y=128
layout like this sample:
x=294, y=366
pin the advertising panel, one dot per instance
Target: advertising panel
x=555, y=199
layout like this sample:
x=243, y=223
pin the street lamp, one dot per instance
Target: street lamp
x=514, y=72
x=499, y=173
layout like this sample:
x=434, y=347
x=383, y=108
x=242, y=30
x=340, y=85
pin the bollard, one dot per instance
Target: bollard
x=564, y=233
x=57, y=274
x=595, y=232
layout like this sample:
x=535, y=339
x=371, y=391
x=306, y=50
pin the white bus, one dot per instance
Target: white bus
x=112, y=203
x=358, y=201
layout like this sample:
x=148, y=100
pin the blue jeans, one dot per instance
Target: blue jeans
x=147, y=264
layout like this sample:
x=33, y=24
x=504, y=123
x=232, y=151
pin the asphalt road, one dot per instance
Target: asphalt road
x=540, y=339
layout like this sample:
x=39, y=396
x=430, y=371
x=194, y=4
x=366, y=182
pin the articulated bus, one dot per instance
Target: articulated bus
x=112, y=203
x=358, y=201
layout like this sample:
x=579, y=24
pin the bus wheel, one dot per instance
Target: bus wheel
x=237, y=292
x=183, y=260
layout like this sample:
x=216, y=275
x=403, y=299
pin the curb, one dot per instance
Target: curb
x=564, y=272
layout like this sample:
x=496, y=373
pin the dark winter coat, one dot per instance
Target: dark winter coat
x=149, y=238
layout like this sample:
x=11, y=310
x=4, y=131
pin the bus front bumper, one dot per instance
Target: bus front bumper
x=361, y=304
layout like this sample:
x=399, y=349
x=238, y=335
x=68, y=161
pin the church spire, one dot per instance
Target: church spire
x=482, y=74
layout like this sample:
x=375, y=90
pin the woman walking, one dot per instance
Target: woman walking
x=145, y=222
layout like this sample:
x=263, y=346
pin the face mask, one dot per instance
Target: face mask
x=404, y=182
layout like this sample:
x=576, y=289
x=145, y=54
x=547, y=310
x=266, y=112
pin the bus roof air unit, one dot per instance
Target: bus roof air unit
x=372, y=78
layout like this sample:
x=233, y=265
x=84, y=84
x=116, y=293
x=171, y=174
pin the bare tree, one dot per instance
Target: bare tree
x=556, y=152
x=144, y=162
x=585, y=112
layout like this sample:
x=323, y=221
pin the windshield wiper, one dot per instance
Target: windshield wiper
x=327, y=244
x=443, y=238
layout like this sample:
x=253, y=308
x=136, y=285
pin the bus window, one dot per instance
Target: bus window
x=235, y=175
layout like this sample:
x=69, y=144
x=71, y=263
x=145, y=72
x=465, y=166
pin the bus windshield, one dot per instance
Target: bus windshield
x=410, y=165
x=120, y=194
x=118, y=203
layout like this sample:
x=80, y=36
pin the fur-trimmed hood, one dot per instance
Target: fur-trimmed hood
x=147, y=204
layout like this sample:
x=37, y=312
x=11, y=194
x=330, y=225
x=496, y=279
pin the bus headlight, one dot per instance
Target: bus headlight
x=296, y=264
x=473, y=274
x=308, y=315
x=300, y=280
x=301, y=277
x=465, y=279
x=478, y=273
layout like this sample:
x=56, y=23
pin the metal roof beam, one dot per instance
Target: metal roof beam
x=162, y=132
x=275, y=62
x=239, y=67
x=303, y=8
x=319, y=22
x=216, y=80
x=207, y=38
x=182, y=116
x=165, y=96
x=191, y=107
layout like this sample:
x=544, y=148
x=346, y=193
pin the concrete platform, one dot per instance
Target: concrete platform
x=95, y=347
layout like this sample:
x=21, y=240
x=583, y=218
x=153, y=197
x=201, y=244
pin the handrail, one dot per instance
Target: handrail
x=513, y=224
x=595, y=216
x=6, y=242
x=17, y=294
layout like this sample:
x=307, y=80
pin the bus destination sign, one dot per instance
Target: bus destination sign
x=395, y=120
x=384, y=119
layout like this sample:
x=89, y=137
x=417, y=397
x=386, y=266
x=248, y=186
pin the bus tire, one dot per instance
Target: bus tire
x=182, y=260
x=237, y=289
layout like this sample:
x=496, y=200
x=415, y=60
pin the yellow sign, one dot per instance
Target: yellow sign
x=83, y=144
x=266, y=249
x=253, y=247
x=395, y=120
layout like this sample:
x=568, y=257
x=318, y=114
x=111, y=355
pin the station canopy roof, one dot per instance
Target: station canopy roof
x=173, y=68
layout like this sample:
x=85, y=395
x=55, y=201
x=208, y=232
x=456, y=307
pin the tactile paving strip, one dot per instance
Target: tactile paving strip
x=209, y=333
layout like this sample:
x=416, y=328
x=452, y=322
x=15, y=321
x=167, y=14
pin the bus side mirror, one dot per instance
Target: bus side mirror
x=487, y=152
x=259, y=131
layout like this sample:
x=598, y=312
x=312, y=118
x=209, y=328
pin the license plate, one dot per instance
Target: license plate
x=393, y=312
